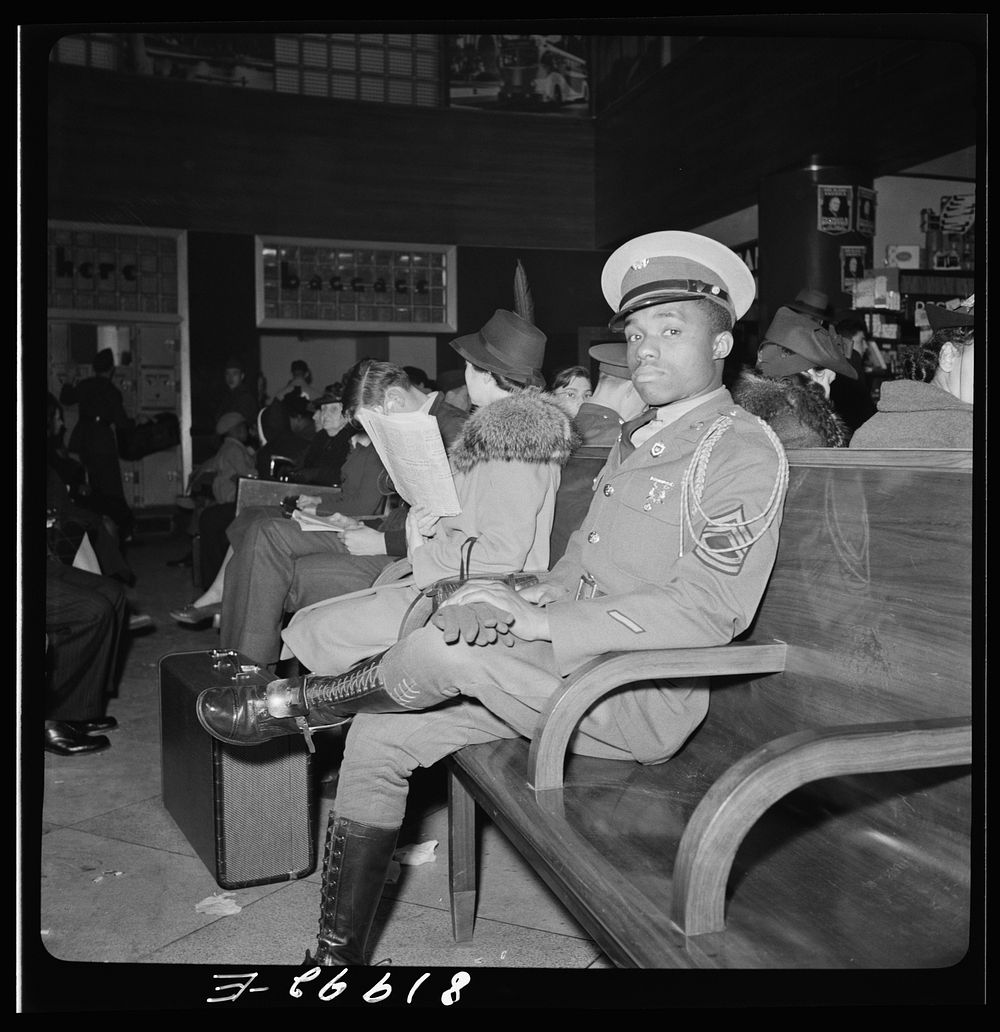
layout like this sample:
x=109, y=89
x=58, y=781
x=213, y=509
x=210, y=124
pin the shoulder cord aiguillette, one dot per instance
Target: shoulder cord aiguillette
x=693, y=486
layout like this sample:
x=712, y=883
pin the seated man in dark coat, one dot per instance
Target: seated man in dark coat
x=281, y=449
x=85, y=616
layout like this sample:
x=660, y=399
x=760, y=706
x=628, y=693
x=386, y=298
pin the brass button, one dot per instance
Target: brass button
x=608, y=490
x=593, y=537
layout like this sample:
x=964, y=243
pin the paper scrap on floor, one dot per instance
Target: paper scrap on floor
x=418, y=853
x=219, y=905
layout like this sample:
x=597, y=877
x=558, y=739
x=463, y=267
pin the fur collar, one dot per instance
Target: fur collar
x=525, y=426
x=774, y=400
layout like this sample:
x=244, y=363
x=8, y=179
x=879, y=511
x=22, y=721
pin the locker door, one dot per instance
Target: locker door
x=156, y=365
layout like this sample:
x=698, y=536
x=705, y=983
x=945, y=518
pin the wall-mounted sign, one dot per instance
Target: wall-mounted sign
x=108, y=270
x=545, y=74
x=864, y=221
x=852, y=266
x=833, y=209
x=355, y=285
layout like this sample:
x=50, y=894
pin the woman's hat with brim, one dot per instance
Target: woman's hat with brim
x=673, y=265
x=508, y=345
x=228, y=421
x=941, y=317
x=326, y=398
x=810, y=344
x=811, y=302
x=611, y=358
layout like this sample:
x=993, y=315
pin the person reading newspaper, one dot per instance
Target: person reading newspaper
x=274, y=568
x=506, y=466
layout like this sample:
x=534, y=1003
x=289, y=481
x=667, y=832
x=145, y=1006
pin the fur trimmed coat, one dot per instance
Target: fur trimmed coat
x=507, y=464
x=799, y=414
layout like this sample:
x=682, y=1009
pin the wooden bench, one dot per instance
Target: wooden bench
x=821, y=815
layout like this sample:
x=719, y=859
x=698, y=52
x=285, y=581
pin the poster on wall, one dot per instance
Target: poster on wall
x=852, y=266
x=865, y=218
x=833, y=209
x=546, y=74
x=244, y=59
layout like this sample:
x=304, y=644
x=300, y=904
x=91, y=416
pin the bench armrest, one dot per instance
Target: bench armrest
x=755, y=782
x=599, y=677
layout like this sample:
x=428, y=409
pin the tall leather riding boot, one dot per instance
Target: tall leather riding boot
x=354, y=870
x=250, y=714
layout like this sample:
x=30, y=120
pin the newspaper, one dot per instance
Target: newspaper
x=310, y=521
x=411, y=449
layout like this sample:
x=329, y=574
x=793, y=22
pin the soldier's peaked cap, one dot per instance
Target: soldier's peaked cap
x=673, y=265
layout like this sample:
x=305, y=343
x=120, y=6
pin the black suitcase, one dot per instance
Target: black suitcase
x=249, y=811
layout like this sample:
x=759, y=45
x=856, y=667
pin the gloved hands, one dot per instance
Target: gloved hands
x=478, y=623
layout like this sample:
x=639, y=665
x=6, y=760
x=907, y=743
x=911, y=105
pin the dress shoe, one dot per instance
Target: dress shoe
x=88, y=727
x=63, y=740
x=139, y=621
x=193, y=615
x=185, y=560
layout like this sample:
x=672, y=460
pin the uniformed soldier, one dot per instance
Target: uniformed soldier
x=675, y=551
x=614, y=400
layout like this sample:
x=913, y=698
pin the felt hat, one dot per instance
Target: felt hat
x=328, y=397
x=297, y=405
x=228, y=421
x=451, y=379
x=943, y=317
x=675, y=266
x=811, y=302
x=235, y=363
x=611, y=358
x=811, y=345
x=508, y=345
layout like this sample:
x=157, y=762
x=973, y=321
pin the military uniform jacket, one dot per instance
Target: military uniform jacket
x=658, y=583
x=598, y=425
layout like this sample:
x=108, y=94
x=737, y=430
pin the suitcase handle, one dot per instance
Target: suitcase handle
x=225, y=661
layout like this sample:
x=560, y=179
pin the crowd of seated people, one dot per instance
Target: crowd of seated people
x=507, y=451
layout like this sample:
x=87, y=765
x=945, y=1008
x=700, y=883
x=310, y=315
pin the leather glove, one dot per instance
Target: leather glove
x=477, y=623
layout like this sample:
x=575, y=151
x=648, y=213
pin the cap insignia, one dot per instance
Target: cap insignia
x=640, y=264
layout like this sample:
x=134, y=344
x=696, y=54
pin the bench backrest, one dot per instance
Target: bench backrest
x=871, y=590
x=251, y=491
x=872, y=586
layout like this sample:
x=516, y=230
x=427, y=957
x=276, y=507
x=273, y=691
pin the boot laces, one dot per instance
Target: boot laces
x=339, y=689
